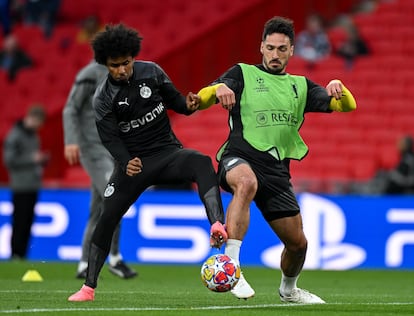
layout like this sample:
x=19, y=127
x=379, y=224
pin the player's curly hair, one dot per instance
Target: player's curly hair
x=116, y=41
x=281, y=25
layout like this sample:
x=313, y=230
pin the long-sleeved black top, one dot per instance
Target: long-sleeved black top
x=131, y=117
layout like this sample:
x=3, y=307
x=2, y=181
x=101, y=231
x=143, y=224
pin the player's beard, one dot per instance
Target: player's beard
x=274, y=66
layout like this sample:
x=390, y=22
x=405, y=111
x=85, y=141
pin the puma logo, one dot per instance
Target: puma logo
x=124, y=102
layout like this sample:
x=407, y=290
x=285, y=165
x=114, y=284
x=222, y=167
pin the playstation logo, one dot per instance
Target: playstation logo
x=324, y=224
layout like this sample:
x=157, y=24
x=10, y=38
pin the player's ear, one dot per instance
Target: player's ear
x=261, y=47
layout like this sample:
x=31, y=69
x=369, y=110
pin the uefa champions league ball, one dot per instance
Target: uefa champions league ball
x=220, y=273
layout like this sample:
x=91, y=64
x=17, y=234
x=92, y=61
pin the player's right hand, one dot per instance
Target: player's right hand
x=134, y=167
x=192, y=101
x=72, y=153
x=226, y=96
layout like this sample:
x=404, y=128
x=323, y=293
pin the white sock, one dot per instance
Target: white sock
x=114, y=259
x=233, y=249
x=82, y=266
x=287, y=284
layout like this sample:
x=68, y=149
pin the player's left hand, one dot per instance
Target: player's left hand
x=193, y=101
x=334, y=89
x=218, y=235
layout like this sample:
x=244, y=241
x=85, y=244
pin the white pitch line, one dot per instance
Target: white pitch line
x=142, y=309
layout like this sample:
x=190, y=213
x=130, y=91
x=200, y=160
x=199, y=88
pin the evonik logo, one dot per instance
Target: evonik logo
x=125, y=127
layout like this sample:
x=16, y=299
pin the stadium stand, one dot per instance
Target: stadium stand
x=195, y=41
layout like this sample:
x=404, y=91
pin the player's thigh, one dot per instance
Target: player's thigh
x=185, y=164
x=241, y=178
x=121, y=192
x=234, y=171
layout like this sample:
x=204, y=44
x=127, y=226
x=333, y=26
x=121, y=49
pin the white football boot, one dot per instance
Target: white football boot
x=242, y=289
x=301, y=296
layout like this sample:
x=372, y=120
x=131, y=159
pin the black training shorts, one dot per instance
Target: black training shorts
x=274, y=197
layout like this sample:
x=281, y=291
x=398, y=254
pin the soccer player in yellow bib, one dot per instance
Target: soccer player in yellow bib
x=266, y=110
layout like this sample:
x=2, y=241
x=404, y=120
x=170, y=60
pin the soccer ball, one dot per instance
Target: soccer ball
x=220, y=273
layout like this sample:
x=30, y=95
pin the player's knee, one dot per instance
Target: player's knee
x=246, y=186
x=205, y=160
x=298, y=248
x=202, y=162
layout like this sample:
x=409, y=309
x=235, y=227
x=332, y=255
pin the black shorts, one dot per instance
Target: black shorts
x=274, y=197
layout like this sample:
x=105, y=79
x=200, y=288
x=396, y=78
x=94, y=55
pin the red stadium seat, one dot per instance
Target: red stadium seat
x=363, y=168
x=173, y=40
x=388, y=156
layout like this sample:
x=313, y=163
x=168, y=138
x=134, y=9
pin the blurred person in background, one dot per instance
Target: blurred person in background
x=353, y=44
x=42, y=13
x=83, y=145
x=5, y=17
x=89, y=27
x=400, y=180
x=24, y=162
x=13, y=58
x=312, y=44
x=266, y=110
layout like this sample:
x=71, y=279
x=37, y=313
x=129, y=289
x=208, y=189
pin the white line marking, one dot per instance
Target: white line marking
x=195, y=308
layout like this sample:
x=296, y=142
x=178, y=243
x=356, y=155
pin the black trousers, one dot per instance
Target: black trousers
x=170, y=166
x=22, y=220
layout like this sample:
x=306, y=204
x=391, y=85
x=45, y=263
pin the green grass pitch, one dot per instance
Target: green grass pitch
x=177, y=290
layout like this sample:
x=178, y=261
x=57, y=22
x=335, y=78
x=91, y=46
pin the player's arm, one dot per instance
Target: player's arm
x=109, y=134
x=77, y=98
x=208, y=96
x=173, y=99
x=223, y=90
x=217, y=93
x=342, y=99
x=108, y=129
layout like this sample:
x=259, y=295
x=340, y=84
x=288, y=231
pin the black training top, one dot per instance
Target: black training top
x=131, y=117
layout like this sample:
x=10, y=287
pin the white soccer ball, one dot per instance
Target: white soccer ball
x=220, y=273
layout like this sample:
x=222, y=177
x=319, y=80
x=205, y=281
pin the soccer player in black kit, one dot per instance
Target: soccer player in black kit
x=131, y=117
